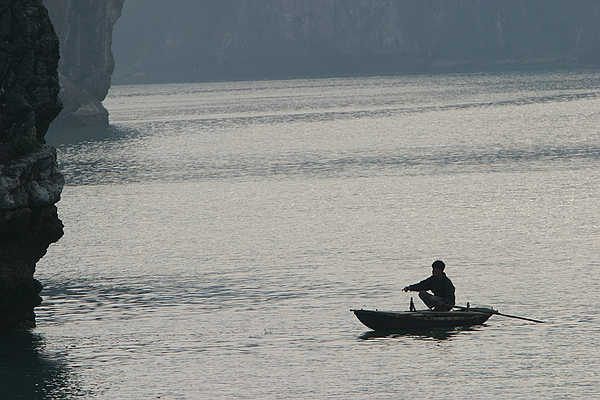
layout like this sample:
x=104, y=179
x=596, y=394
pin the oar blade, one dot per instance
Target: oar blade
x=523, y=318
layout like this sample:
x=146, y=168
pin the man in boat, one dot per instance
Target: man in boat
x=442, y=298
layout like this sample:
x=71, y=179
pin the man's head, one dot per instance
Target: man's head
x=438, y=268
x=438, y=265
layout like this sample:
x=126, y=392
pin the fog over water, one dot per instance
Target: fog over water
x=218, y=234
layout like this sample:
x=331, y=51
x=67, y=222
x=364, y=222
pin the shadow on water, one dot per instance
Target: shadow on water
x=59, y=137
x=419, y=334
x=27, y=371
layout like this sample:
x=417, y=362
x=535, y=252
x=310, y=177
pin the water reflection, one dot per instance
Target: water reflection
x=420, y=334
x=61, y=137
x=28, y=371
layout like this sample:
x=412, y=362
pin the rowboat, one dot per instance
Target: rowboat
x=400, y=321
x=409, y=320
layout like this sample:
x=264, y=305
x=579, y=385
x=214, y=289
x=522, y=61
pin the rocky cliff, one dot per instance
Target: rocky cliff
x=160, y=40
x=84, y=28
x=30, y=182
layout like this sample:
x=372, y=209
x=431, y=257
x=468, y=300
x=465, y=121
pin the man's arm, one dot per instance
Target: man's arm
x=417, y=287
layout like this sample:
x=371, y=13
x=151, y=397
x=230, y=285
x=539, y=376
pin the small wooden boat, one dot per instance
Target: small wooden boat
x=408, y=320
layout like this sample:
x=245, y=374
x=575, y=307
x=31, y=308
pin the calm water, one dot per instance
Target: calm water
x=218, y=234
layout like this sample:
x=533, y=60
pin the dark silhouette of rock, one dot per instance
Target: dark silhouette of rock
x=30, y=182
x=84, y=28
x=190, y=40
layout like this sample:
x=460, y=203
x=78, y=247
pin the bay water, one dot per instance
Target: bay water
x=218, y=234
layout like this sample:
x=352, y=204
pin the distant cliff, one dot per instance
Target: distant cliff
x=188, y=40
x=30, y=182
x=84, y=28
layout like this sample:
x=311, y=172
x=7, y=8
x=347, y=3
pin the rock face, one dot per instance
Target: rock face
x=30, y=182
x=84, y=28
x=160, y=40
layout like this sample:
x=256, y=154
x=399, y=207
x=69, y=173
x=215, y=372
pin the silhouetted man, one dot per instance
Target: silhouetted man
x=442, y=298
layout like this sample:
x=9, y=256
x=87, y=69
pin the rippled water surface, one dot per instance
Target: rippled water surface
x=217, y=236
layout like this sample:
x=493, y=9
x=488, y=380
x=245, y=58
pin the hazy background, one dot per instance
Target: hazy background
x=188, y=40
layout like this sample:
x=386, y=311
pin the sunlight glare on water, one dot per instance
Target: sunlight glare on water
x=218, y=234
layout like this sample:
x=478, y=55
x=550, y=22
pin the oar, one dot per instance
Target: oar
x=506, y=315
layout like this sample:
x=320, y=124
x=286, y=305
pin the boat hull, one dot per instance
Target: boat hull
x=407, y=320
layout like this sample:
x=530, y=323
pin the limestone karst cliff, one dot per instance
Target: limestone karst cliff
x=84, y=28
x=178, y=40
x=30, y=182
